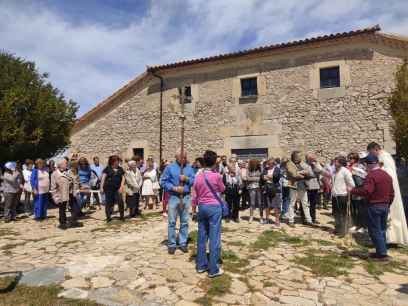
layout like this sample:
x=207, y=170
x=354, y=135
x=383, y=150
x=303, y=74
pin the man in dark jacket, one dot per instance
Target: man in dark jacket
x=379, y=192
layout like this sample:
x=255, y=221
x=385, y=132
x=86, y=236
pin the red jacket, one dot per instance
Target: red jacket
x=377, y=188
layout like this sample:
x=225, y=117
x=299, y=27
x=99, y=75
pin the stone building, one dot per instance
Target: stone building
x=325, y=94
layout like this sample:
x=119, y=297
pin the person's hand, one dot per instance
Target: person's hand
x=178, y=189
x=183, y=178
x=35, y=191
x=121, y=190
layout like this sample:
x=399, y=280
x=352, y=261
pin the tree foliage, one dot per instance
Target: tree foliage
x=399, y=110
x=35, y=118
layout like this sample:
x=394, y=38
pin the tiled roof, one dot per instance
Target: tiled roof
x=265, y=48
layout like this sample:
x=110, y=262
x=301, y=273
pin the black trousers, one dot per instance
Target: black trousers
x=132, y=203
x=62, y=207
x=112, y=197
x=313, y=196
x=233, y=201
x=340, y=214
x=359, y=212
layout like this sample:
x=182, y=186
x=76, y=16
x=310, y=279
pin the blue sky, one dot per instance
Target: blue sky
x=92, y=47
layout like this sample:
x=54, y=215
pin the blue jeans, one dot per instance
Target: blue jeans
x=174, y=210
x=209, y=227
x=377, y=226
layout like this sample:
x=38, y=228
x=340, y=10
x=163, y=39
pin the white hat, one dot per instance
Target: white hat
x=10, y=165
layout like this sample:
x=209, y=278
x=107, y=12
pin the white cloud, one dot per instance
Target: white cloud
x=90, y=61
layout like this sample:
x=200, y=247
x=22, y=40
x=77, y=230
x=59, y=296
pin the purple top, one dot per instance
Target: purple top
x=202, y=194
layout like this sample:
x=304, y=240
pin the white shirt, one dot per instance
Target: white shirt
x=342, y=181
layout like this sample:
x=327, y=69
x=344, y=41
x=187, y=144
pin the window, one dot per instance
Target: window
x=187, y=94
x=246, y=154
x=138, y=152
x=249, y=87
x=330, y=77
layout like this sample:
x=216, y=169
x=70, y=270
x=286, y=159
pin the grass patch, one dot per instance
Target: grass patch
x=236, y=243
x=272, y=239
x=232, y=263
x=150, y=215
x=12, y=294
x=327, y=264
x=204, y=301
x=324, y=242
x=378, y=268
x=214, y=287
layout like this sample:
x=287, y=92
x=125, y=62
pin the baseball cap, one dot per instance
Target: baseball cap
x=371, y=159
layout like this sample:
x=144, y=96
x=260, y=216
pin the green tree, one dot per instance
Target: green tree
x=35, y=118
x=399, y=109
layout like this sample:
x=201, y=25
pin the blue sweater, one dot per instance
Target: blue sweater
x=171, y=178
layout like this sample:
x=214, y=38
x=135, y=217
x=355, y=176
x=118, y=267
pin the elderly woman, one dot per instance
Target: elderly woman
x=40, y=182
x=150, y=184
x=62, y=189
x=11, y=186
x=133, y=183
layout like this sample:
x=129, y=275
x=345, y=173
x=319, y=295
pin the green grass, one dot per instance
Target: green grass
x=236, y=243
x=150, y=215
x=232, y=262
x=214, y=287
x=271, y=238
x=12, y=294
x=378, y=268
x=326, y=264
x=324, y=242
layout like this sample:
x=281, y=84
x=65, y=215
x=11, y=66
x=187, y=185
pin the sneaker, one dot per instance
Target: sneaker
x=262, y=221
x=251, y=219
x=353, y=229
x=220, y=272
x=202, y=270
x=171, y=251
x=361, y=230
x=184, y=249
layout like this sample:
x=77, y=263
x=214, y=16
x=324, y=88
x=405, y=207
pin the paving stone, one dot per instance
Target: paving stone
x=74, y=293
x=43, y=277
x=101, y=282
x=75, y=283
x=296, y=301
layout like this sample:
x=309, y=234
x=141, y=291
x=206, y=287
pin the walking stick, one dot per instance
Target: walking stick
x=348, y=241
x=182, y=118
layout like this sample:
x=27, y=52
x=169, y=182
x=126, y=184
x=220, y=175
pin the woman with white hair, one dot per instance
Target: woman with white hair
x=11, y=186
x=62, y=188
x=133, y=183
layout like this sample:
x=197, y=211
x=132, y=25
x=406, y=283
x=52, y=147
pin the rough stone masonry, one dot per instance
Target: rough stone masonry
x=290, y=111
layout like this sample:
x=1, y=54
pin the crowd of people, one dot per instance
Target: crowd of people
x=362, y=189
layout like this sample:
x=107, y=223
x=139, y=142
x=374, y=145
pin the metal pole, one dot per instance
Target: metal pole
x=182, y=118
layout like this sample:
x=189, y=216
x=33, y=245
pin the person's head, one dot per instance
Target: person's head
x=371, y=161
x=137, y=160
x=199, y=162
x=233, y=160
x=295, y=157
x=241, y=164
x=310, y=158
x=232, y=169
x=181, y=157
x=210, y=159
x=96, y=160
x=40, y=163
x=374, y=148
x=74, y=166
x=150, y=163
x=29, y=164
x=254, y=165
x=62, y=164
x=270, y=163
x=66, y=158
x=277, y=160
x=113, y=161
x=132, y=165
x=340, y=161
x=10, y=167
x=83, y=163
x=51, y=165
x=353, y=158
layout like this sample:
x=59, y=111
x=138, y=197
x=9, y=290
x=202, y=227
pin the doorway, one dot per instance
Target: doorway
x=138, y=152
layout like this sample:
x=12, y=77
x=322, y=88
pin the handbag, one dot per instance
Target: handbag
x=224, y=206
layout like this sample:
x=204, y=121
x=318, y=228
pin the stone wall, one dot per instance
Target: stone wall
x=291, y=112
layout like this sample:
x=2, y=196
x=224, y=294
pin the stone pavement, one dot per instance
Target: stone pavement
x=127, y=264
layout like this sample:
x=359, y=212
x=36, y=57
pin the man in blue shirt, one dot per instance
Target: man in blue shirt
x=176, y=185
x=97, y=168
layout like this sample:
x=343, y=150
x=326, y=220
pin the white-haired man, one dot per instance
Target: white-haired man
x=179, y=187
